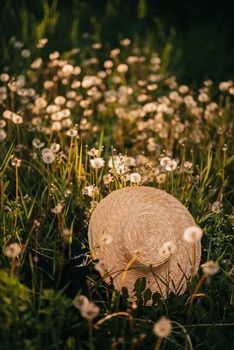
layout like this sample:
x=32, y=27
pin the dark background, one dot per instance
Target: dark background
x=195, y=38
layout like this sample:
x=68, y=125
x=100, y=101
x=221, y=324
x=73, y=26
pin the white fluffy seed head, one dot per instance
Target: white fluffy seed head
x=163, y=327
x=193, y=234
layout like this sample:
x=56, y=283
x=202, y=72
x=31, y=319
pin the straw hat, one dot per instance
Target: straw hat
x=127, y=232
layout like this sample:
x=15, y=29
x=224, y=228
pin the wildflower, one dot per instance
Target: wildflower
x=131, y=162
x=188, y=167
x=161, y=178
x=37, y=143
x=12, y=250
x=115, y=52
x=97, y=46
x=25, y=53
x=108, y=64
x=203, y=97
x=225, y=85
x=16, y=162
x=91, y=191
x=67, y=193
x=150, y=107
x=36, y=63
x=72, y=132
x=97, y=163
x=48, y=84
x=164, y=161
x=80, y=301
x=4, y=77
x=183, y=89
x=193, y=234
x=167, y=249
x=93, y=152
x=2, y=135
x=135, y=178
x=163, y=327
x=58, y=208
x=59, y=100
x=54, y=55
x=171, y=166
x=87, y=308
x=210, y=267
x=76, y=70
x=17, y=119
x=114, y=162
x=55, y=147
x=2, y=124
x=36, y=224
x=7, y=114
x=90, y=311
x=216, y=207
x=125, y=42
x=48, y=156
x=107, y=179
x=122, y=68
x=56, y=126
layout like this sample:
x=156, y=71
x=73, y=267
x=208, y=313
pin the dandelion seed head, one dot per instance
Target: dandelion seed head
x=210, y=267
x=163, y=327
x=12, y=250
x=193, y=234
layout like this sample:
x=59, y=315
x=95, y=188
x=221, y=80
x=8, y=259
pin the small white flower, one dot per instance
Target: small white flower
x=87, y=308
x=17, y=119
x=57, y=209
x=25, y=53
x=114, y=162
x=171, y=165
x=97, y=163
x=2, y=135
x=59, y=100
x=80, y=301
x=37, y=143
x=93, y=152
x=164, y=161
x=161, y=178
x=55, y=147
x=90, y=311
x=107, y=179
x=16, y=162
x=72, y=132
x=216, y=207
x=193, y=234
x=7, y=115
x=91, y=191
x=135, y=178
x=163, y=327
x=210, y=267
x=48, y=156
x=2, y=124
x=122, y=68
x=12, y=250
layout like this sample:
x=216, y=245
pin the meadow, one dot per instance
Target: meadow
x=76, y=124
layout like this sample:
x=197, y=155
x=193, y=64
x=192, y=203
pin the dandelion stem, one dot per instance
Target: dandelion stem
x=158, y=344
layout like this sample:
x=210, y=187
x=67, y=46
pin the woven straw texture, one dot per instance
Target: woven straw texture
x=137, y=221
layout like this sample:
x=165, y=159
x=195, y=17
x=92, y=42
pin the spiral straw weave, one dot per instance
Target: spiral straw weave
x=139, y=220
